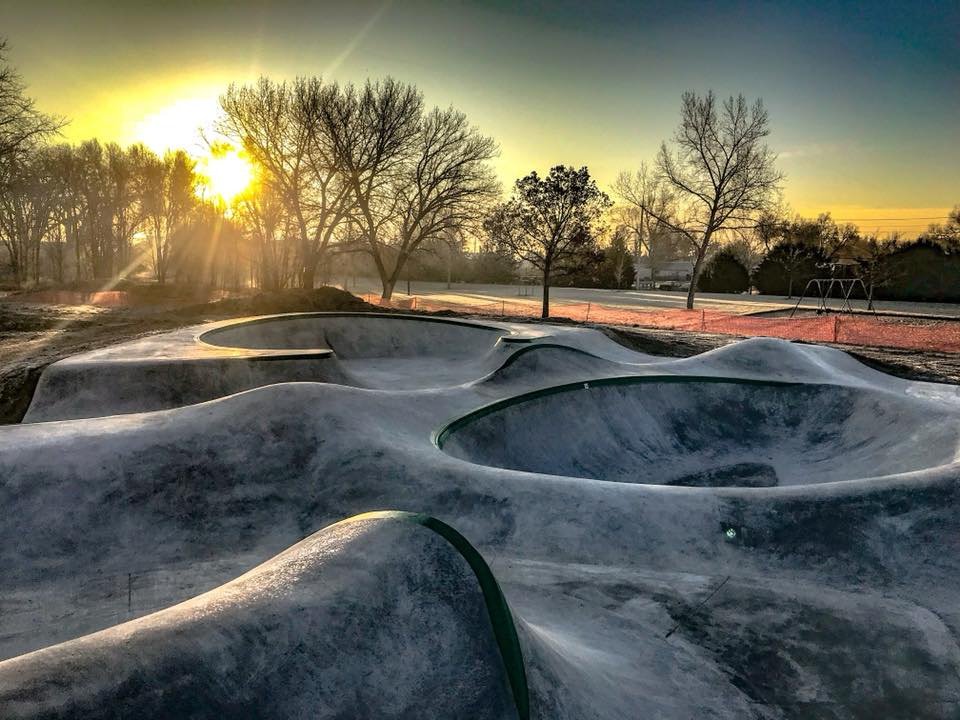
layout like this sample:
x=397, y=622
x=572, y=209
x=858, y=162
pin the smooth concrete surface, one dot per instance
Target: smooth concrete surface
x=699, y=432
x=375, y=614
x=675, y=539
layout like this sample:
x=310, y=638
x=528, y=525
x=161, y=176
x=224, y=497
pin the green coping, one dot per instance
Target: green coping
x=441, y=435
x=500, y=618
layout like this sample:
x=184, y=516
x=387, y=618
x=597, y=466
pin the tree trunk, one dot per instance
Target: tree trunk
x=387, y=292
x=694, y=277
x=307, y=276
x=79, y=260
x=388, y=280
x=545, y=311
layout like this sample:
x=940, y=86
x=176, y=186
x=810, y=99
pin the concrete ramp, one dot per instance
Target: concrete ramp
x=548, y=360
x=77, y=388
x=386, y=615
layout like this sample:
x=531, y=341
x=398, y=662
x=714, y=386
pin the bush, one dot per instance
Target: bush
x=491, y=267
x=788, y=267
x=921, y=271
x=724, y=273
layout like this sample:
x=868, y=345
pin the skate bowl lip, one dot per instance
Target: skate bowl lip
x=440, y=436
x=206, y=335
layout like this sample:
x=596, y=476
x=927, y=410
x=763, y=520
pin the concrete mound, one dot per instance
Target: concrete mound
x=387, y=615
x=707, y=432
x=75, y=389
x=780, y=360
x=549, y=360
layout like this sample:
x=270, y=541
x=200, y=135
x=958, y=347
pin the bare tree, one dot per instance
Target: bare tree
x=639, y=191
x=872, y=267
x=373, y=132
x=21, y=124
x=719, y=172
x=280, y=126
x=26, y=182
x=947, y=233
x=792, y=256
x=263, y=216
x=618, y=255
x=445, y=185
x=166, y=190
x=27, y=203
x=822, y=233
x=452, y=243
x=550, y=222
x=68, y=208
x=413, y=176
x=747, y=249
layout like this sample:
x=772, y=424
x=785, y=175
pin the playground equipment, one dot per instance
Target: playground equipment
x=824, y=288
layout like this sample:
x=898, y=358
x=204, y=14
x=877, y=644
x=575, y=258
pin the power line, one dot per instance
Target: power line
x=935, y=217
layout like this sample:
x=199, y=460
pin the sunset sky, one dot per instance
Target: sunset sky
x=864, y=98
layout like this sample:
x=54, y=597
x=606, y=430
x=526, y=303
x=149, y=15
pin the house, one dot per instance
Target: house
x=676, y=270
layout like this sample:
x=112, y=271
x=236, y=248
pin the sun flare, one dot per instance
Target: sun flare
x=176, y=123
x=226, y=174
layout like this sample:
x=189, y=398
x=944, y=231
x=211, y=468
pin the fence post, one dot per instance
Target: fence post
x=703, y=320
x=587, y=318
x=836, y=328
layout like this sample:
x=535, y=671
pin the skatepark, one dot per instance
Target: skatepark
x=303, y=515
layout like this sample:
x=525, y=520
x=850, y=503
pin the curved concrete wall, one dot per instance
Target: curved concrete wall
x=387, y=615
x=698, y=432
x=359, y=335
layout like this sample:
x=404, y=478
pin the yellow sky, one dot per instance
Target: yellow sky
x=173, y=112
x=863, y=132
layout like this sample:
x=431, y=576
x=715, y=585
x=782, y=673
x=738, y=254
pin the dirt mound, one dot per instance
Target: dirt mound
x=324, y=299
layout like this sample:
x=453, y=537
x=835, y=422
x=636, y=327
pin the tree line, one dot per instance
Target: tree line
x=340, y=170
x=355, y=179
x=782, y=256
x=95, y=211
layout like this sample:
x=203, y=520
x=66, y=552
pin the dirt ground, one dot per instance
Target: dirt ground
x=33, y=336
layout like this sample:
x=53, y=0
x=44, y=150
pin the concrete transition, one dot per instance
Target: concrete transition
x=574, y=530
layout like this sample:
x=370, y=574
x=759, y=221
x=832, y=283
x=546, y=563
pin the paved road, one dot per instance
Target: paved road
x=642, y=299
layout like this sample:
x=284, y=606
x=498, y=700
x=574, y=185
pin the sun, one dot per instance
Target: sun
x=226, y=174
x=176, y=124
